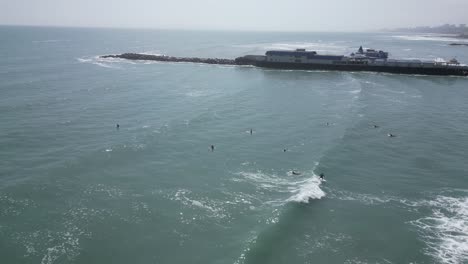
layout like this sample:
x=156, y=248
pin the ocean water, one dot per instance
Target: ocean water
x=75, y=189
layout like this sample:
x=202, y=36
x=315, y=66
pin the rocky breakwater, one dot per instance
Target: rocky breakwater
x=458, y=44
x=148, y=57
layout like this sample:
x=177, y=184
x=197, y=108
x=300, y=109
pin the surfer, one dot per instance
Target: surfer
x=321, y=175
x=376, y=126
x=212, y=148
x=284, y=150
x=117, y=126
x=296, y=173
x=251, y=131
x=391, y=135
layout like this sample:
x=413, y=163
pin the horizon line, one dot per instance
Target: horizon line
x=192, y=29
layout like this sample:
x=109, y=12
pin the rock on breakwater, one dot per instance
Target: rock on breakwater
x=137, y=56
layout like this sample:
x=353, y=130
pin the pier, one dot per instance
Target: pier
x=368, y=61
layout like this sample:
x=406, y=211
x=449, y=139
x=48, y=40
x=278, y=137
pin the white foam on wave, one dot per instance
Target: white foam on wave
x=68, y=247
x=367, y=199
x=204, y=206
x=445, y=231
x=105, y=65
x=307, y=190
x=84, y=60
x=102, y=62
x=211, y=208
x=302, y=187
x=269, y=181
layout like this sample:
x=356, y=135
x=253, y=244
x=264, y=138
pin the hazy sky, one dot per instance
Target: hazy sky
x=278, y=15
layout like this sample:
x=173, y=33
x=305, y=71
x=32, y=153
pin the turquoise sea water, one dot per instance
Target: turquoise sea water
x=74, y=189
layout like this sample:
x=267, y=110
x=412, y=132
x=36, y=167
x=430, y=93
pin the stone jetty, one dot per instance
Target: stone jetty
x=458, y=44
x=137, y=56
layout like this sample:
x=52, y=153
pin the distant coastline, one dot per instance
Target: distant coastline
x=443, y=31
x=459, y=36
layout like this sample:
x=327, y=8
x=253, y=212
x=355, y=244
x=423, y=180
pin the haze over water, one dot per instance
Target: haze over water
x=75, y=189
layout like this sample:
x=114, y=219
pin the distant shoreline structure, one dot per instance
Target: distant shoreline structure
x=447, y=30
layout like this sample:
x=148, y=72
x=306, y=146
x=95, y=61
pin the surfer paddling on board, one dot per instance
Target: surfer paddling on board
x=295, y=172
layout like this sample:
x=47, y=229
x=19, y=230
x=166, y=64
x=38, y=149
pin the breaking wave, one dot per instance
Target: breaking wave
x=445, y=231
x=308, y=189
x=302, y=188
x=105, y=63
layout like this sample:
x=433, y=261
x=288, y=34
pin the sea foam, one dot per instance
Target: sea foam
x=445, y=231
